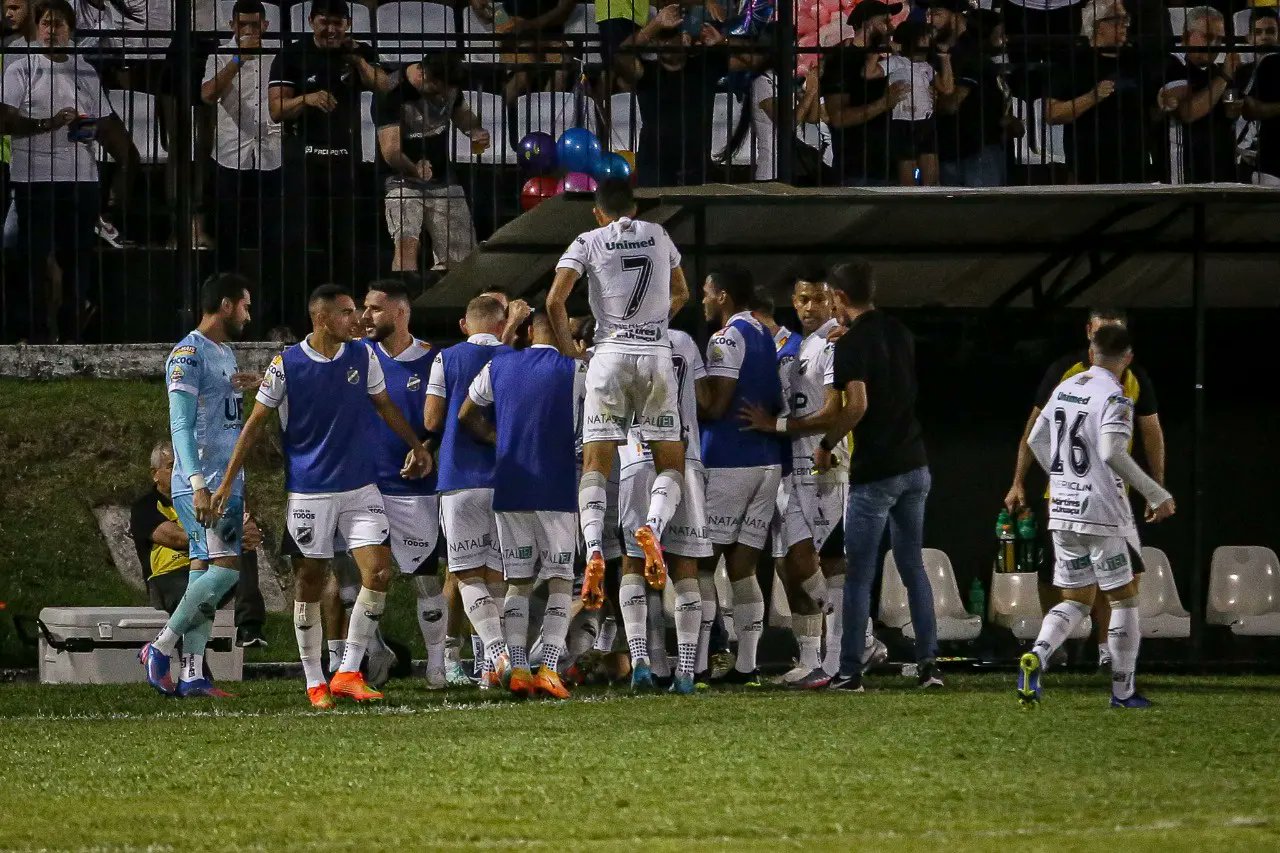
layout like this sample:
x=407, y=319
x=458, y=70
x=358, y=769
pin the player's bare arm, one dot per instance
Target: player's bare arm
x=472, y=418
x=418, y=463
x=679, y=292
x=715, y=393
x=249, y=436
x=557, y=300
x=757, y=418
x=849, y=416
x=433, y=414
x=1153, y=445
x=517, y=313
x=1017, y=495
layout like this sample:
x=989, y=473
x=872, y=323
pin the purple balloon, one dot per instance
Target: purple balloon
x=576, y=182
x=537, y=153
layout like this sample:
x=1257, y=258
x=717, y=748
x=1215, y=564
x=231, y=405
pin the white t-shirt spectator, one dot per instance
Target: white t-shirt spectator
x=918, y=104
x=817, y=136
x=246, y=137
x=37, y=87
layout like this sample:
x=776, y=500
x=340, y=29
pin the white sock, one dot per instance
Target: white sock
x=307, y=630
x=634, y=605
x=1123, y=638
x=657, y=631
x=707, y=592
x=452, y=651
x=192, y=667
x=748, y=616
x=485, y=618
x=433, y=618
x=515, y=624
x=607, y=634
x=364, y=621
x=815, y=586
x=555, y=622
x=477, y=648
x=834, y=633
x=808, y=631
x=166, y=642
x=583, y=632
x=1057, y=626
x=591, y=504
x=664, y=497
x=1104, y=650
x=498, y=592
x=688, y=617
x=336, y=648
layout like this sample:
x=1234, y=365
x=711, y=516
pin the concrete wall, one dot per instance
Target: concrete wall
x=110, y=361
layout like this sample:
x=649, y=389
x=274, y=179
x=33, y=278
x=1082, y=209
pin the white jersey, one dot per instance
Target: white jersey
x=689, y=369
x=1085, y=495
x=628, y=267
x=811, y=374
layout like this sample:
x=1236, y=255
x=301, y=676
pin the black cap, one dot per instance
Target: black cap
x=957, y=6
x=868, y=9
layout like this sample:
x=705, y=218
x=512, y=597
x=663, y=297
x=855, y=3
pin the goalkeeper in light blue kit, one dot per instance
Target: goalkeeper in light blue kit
x=206, y=412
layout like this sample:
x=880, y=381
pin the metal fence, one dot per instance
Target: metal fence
x=147, y=152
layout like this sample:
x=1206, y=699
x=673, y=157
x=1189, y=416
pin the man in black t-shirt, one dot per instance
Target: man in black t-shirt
x=1264, y=31
x=415, y=121
x=875, y=368
x=1202, y=145
x=314, y=92
x=859, y=99
x=1263, y=106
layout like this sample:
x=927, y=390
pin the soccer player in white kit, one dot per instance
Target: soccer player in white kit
x=1081, y=439
x=635, y=285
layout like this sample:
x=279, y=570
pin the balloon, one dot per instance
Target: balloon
x=576, y=182
x=846, y=6
x=578, y=150
x=827, y=8
x=537, y=152
x=537, y=190
x=613, y=167
x=806, y=26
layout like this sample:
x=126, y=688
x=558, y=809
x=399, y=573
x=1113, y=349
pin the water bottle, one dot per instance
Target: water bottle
x=1027, y=541
x=1005, y=557
x=977, y=599
x=501, y=18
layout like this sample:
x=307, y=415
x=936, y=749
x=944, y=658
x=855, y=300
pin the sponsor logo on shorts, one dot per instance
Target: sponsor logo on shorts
x=1118, y=562
x=375, y=509
x=353, y=376
x=463, y=545
x=1078, y=564
x=524, y=552
x=304, y=515
x=416, y=543
x=755, y=523
x=664, y=422
x=558, y=558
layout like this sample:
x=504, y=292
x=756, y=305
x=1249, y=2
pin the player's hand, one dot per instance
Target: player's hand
x=1016, y=499
x=1157, y=514
x=322, y=101
x=1105, y=89
x=755, y=417
x=417, y=463
x=517, y=312
x=823, y=460
x=214, y=506
x=251, y=538
x=245, y=379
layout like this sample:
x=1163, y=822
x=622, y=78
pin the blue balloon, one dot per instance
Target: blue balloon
x=578, y=151
x=613, y=167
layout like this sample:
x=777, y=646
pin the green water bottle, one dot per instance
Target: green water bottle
x=977, y=599
x=1027, y=541
x=1006, y=556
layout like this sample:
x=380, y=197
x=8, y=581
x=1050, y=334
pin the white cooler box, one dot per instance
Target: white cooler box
x=99, y=645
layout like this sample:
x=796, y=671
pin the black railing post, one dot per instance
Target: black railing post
x=1198, y=557
x=785, y=68
x=180, y=151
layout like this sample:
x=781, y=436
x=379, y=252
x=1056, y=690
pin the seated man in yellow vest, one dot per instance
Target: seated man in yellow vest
x=1138, y=388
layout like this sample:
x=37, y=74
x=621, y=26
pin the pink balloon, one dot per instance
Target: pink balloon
x=832, y=33
x=576, y=182
x=826, y=8
x=806, y=27
x=846, y=6
x=811, y=40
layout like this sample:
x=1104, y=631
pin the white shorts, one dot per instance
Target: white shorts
x=415, y=529
x=623, y=388
x=358, y=515
x=686, y=534
x=470, y=530
x=1081, y=560
x=813, y=511
x=539, y=544
x=740, y=504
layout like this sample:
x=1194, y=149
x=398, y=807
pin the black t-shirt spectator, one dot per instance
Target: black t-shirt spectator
x=1136, y=382
x=978, y=121
x=147, y=513
x=1115, y=141
x=425, y=124
x=675, y=108
x=306, y=68
x=1266, y=88
x=879, y=351
x=861, y=151
x=1209, y=145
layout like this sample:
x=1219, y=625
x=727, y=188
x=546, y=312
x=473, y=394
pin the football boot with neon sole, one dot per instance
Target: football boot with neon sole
x=655, y=565
x=1029, y=680
x=351, y=685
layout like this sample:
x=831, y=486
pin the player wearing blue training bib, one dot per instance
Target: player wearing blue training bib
x=205, y=416
x=322, y=389
x=532, y=394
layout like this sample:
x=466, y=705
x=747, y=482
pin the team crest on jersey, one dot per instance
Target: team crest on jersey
x=414, y=383
x=804, y=365
x=353, y=376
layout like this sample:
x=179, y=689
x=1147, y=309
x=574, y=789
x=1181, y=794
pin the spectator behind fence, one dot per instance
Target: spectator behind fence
x=975, y=121
x=812, y=150
x=246, y=149
x=1107, y=96
x=1261, y=161
x=415, y=140
x=54, y=108
x=162, y=544
x=859, y=98
x=315, y=87
x=675, y=90
x=913, y=132
x=15, y=31
x=1264, y=31
x=533, y=34
x=1202, y=128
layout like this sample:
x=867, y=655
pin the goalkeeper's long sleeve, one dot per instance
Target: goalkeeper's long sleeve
x=1115, y=450
x=182, y=430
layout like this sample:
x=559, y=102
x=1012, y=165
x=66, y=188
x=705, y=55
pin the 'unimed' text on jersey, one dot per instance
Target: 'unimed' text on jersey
x=406, y=376
x=464, y=462
x=1085, y=495
x=203, y=368
x=689, y=369
x=744, y=351
x=628, y=267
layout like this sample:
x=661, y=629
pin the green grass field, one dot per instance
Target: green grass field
x=118, y=767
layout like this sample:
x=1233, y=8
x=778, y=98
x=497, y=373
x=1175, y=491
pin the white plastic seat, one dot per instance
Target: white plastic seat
x=625, y=122
x=400, y=24
x=479, y=51
x=300, y=20
x=1240, y=24
x=1014, y=603
x=582, y=21
x=1160, y=610
x=550, y=112
x=275, y=22
x=138, y=112
x=1177, y=22
x=1244, y=590
x=724, y=118
x=953, y=622
x=368, y=133
x=493, y=117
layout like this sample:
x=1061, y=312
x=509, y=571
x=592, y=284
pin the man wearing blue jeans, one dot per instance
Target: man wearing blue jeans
x=888, y=472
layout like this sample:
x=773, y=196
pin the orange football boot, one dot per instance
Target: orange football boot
x=352, y=686
x=320, y=697
x=547, y=682
x=593, y=582
x=655, y=565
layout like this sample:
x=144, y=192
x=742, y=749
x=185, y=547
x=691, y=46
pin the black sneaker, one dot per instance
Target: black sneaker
x=816, y=680
x=248, y=637
x=737, y=677
x=847, y=683
x=929, y=676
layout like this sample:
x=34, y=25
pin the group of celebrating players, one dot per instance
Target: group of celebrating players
x=535, y=454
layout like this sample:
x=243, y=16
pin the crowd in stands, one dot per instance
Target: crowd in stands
x=306, y=115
